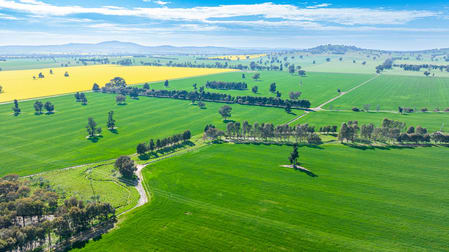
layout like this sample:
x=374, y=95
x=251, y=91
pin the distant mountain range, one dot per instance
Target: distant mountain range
x=118, y=48
x=128, y=48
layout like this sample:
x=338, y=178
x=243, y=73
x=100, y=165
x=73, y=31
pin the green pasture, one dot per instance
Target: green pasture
x=237, y=198
x=35, y=143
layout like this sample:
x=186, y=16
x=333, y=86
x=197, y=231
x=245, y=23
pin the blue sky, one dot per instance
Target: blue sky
x=277, y=24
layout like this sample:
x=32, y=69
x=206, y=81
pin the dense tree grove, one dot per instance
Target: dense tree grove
x=226, y=85
x=390, y=131
x=158, y=144
x=208, y=96
x=388, y=64
x=29, y=219
x=412, y=67
x=269, y=132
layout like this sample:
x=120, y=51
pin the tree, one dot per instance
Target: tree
x=278, y=94
x=243, y=76
x=38, y=105
x=120, y=99
x=273, y=87
x=141, y=149
x=151, y=145
x=49, y=107
x=146, y=86
x=16, y=108
x=95, y=87
x=291, y=68
x=202, y=105
x=111, y=121
x=255, y=89
x=166, y=83
x=66, y=74
x=256, y=76
x=294, y=95
x=301, y=73
x=294, y=156
x=92, y=127
x=51, y=71
x=427, y=73
x=126, y=166
x=83, y=99
x=186, y=135
x=225, y=111
x=1, y=89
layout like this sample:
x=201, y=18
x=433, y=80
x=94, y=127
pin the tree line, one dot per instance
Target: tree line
x=158, y=144
x=208, y=96
x=264, y=132
x=30, y=218
x=226, y=85
x=390, y=131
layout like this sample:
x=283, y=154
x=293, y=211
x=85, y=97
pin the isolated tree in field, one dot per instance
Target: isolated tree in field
x=141, y=149
x=51, y=71
x=111, y=121
x=41, y=76
x=126, y=166
x=255, y=89
x=243, y=76
x=225, y=111
x=83, y=99
x=202, y=105
x=120, y=99
x=294, y=95
x=256, y=76
x=66, y=74
x=95, y=87
x=427, y=73
x=195, y=86
x=16, y=108
x=92, y=127
x=273, y=87
x=146, y=86
x=291, y=68
x=49, y=107
x=294, y=156
x=1, y=89
x=166, y=83
x=38, y=105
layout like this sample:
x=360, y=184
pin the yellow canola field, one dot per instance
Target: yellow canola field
x=21, y=85
x=239, y=57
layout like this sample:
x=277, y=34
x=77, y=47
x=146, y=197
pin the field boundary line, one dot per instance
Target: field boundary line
x=91, y=91
x=315, y=109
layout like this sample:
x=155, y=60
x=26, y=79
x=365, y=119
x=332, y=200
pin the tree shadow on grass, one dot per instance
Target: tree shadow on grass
x=129, y=181
x=228, y=121
x=94, y=139
x=122, y=104
x=373, y=147
x=145, y=156
x=113, y=131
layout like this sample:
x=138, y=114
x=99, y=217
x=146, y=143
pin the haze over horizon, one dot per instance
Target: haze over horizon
x=386, y=25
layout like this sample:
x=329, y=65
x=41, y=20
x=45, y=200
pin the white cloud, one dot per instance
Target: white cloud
x=8, y=17
x=285, y=12
x=318, y=6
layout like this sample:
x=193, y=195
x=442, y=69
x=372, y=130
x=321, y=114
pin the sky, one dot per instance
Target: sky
x=390, y=25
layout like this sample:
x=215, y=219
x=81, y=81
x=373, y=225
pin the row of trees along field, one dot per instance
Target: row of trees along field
x=390, y=131
x=226, y=85
x=263, y=132
x=38, y=107
x=30, y=218
x=134, y=92
x=158, y=144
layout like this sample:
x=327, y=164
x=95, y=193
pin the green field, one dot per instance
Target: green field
x=432, y=121
x=238, y=198
x=100, y=180
x=35, y=143
x=389, y=92
x=316, y=87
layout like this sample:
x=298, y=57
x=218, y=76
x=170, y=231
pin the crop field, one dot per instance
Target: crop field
x=86, y=183
x=21, y=85
x=238, y=198
x=432, y=121
x=316, y=87
x=35, y=143
x=390, y=92
x=239, y=57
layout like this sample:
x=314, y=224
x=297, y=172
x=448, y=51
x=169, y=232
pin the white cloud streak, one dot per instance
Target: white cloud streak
x=284, y=12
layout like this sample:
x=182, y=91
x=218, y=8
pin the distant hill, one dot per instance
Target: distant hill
x=117, y=48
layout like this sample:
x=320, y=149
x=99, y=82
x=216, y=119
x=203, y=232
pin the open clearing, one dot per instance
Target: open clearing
x=390, y=92
x=20, y=84
x=237, y=198
x=35, y=143
x=99, y=180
